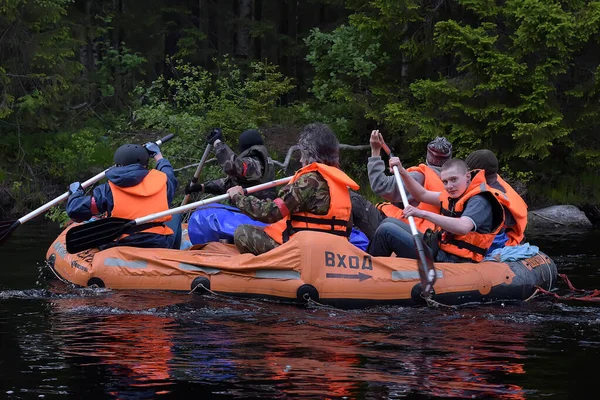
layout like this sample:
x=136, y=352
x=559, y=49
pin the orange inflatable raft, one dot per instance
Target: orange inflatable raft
x=319, y=266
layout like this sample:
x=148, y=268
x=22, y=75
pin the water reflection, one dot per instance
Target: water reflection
x=127, y=336
x=78, y=343
x=348, y=355
x=242, y=349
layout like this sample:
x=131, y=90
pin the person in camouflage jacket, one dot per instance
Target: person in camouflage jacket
x=251, y=167
x=310, y=193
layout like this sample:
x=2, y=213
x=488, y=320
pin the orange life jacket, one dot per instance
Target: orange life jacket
x=147, y=197
x=518, y=209
x=337, y=219
x=433, y=183
x=473, y=245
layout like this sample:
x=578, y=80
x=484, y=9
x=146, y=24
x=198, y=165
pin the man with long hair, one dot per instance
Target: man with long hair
x=316, y=199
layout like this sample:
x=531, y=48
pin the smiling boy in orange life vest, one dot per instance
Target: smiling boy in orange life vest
x=132, y=191
x=367, y=217
x=471, y=216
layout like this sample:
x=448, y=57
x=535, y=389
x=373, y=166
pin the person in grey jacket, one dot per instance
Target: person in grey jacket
x=366, y=216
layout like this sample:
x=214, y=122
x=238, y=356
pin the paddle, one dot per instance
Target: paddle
x=7, y=227
x=427, y=271
x=97, y=233
x=197, y=173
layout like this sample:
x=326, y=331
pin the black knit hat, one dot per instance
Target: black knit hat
x=483, y=159
x=249, y=138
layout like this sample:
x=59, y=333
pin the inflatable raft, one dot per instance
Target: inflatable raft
x=318, y=266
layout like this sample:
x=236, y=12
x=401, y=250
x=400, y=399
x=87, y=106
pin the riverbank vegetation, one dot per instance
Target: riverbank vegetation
x=80, y=77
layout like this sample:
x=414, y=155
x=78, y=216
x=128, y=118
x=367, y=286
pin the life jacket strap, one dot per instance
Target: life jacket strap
x=461, y=244
x=320, y=221
x=290, y=230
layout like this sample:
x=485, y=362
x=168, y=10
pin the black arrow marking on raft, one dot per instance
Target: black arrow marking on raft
x=360, y=276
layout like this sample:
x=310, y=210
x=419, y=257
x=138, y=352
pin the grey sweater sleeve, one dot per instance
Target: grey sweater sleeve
x=385, y=185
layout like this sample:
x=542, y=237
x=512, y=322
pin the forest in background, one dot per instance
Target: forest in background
x=78, y=78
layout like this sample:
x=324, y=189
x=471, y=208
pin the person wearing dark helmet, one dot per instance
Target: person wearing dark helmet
x=515, y=212
x=251, y=167
x=132, y=191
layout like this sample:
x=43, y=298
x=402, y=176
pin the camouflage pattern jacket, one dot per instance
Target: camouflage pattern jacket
x=310, y=193
x=251, y=167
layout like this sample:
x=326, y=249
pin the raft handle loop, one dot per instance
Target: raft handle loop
x=314, y=303
x=60, y=278
x=534, y=295
x=432, y=303
x=200, y=285
x=196, y=287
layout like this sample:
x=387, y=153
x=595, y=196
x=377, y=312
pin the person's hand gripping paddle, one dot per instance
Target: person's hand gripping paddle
x=7, y=227
x=215, y=133
x=100, y=232
x=427, y=272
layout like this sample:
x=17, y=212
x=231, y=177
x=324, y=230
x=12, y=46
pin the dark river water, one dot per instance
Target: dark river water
x=60, y=342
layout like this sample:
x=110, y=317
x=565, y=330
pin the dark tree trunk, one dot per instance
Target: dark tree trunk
x=271, y=44
x=202, y=25
x=283, y=30
x=258, y=40
x=87, y=52
x=213, y=26
x=242, y=36
x=116, y=44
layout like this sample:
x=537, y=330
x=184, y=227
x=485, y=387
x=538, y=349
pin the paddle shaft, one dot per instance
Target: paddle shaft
x=162, y=140
x=411, y=220
x=198, y=170
x=216, y=199
x=85, y=185
x=60, y=198
x=427, y=272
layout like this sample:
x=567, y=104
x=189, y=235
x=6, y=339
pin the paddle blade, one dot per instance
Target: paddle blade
x=6, y=229
x=427, y=271
x=95, y=234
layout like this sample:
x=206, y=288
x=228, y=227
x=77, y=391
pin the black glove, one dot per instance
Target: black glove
x=196, y=187
x=211, y=189
x=214, y=135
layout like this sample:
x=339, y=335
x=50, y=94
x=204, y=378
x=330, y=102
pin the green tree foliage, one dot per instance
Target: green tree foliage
x=518, y=77
x=38, y=72
x=344, y=61
x=196, y=100
x=510, y=86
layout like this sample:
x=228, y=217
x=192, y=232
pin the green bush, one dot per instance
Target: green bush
x=76, y=155
x=196, y=100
